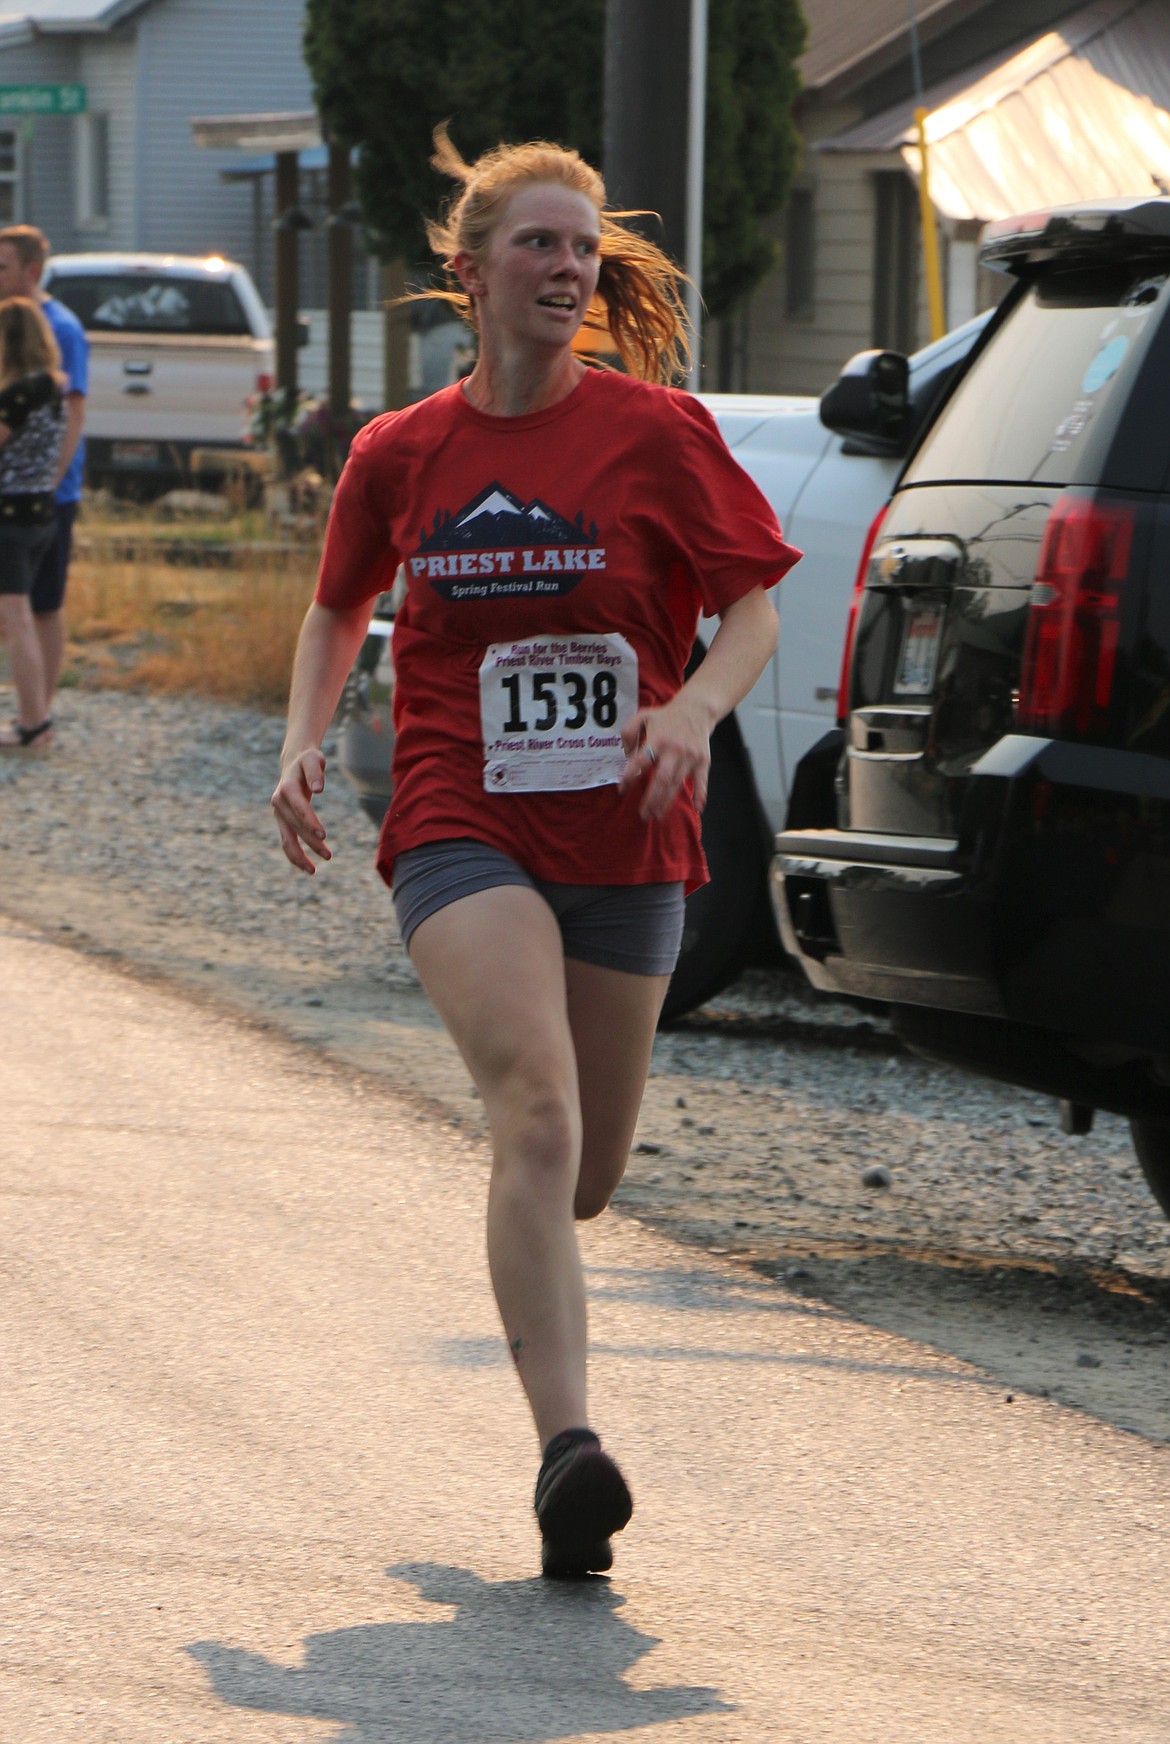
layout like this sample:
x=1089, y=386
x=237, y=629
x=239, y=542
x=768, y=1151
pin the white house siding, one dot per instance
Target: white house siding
x=432, y=356
x=801, y=356
x=48, y=139
x=49, y=180
x=107, y=67
x=208, y=57
x=367, y=332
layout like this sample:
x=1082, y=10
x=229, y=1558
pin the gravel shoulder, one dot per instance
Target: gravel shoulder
x=144, y=836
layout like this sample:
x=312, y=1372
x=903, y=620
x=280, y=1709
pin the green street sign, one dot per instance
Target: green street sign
x=42, y=100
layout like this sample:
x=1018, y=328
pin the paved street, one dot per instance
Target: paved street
x=265, y=1472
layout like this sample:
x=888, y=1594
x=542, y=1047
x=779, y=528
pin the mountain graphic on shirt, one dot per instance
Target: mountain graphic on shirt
x=496, y=520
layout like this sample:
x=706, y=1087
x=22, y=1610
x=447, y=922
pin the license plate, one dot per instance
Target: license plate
x=143, y=454
x=918, y=660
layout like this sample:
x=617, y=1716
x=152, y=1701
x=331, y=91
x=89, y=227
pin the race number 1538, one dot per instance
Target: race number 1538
x=552, y=709
x=540, y=700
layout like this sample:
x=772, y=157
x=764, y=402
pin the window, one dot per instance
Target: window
x=93, y=170
x=150, y=302
x=895, y=261
x=798, y=255
x=10, y=172
x=1044, y=401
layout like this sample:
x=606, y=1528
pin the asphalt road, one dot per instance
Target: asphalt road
x=265, y=1473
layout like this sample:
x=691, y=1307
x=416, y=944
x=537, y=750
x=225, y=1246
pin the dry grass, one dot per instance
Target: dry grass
x=229, y=632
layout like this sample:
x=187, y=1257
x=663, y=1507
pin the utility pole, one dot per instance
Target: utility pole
x=696, y=148
x=652, y=134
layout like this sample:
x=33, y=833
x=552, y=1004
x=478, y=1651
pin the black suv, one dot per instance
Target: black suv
x=985, y=843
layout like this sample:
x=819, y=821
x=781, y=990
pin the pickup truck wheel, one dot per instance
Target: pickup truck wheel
x=728, y=919
x=1151, y=1141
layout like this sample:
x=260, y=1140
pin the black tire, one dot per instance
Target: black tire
x=1151, y=1141
x=729, y=920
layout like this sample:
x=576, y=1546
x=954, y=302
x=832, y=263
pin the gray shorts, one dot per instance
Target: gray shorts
x=633, y=927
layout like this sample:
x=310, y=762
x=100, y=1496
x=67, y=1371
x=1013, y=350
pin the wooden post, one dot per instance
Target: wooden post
x=340, y=288
x=285, y=289
x=395, y=337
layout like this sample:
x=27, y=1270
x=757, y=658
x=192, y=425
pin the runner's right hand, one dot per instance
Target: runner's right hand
x=301, y=778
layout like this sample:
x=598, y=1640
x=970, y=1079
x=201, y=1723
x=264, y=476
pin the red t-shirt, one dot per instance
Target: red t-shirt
x=553, y=562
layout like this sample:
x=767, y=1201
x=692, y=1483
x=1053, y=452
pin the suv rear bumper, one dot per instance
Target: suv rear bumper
x=1050, y=908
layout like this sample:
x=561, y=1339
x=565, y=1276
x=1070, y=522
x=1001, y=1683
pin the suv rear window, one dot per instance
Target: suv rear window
x=151, y=303
x=1043, y=400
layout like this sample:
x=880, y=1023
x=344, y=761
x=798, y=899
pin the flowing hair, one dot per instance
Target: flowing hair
x=27, y=344
x=638, y=310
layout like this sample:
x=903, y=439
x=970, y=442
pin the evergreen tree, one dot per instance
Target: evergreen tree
x=752, y=146
x=385, y=72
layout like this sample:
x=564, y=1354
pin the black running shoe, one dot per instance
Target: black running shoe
x=581, y=1498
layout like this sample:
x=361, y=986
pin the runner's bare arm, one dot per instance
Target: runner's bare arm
x=674, y=742
x=328, y=642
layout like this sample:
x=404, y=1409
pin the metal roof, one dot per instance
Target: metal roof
x=1081, y=113
x=844, y=35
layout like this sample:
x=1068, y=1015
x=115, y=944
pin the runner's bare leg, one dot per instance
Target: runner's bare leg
x=613, y=1017
x=493, y=966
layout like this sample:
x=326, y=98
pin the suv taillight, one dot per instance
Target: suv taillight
x=854, y=608
x=1075, y=616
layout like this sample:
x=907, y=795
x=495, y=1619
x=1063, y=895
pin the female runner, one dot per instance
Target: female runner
x=561, y=528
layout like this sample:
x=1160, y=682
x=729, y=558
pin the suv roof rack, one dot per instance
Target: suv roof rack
x=1093, y=229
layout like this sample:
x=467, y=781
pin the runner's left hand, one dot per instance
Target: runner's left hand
x=667, y=745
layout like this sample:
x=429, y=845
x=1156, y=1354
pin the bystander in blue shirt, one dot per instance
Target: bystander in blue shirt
x=74, y=349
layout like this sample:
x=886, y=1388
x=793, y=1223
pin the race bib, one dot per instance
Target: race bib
x=552, y=709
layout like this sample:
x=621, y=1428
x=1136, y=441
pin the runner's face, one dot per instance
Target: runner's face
x=16, y=279
x=540, y=270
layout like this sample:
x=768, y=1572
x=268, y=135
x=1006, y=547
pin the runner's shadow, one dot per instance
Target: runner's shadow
x=519, y=1662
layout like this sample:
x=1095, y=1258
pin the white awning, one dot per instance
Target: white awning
x=296, y=131
x=1082, y=113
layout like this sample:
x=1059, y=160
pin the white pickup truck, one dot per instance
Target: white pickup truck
x=177, y=344
x=826, y=490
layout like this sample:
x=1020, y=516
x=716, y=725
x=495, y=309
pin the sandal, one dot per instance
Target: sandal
x=18, y=738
